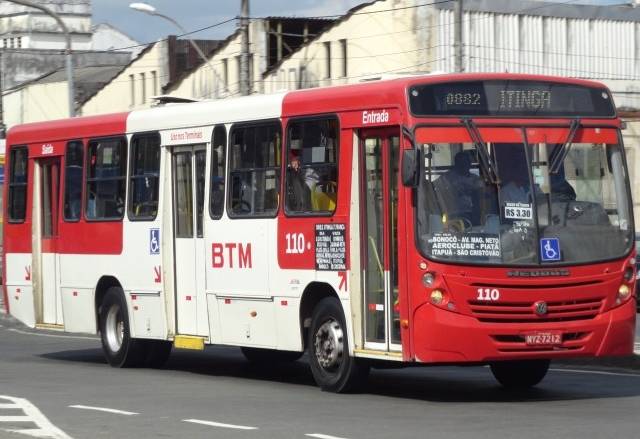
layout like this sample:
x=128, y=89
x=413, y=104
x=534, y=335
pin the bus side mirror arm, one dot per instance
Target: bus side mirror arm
x=410, y=162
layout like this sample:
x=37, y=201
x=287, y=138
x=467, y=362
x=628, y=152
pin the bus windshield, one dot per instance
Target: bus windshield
x=523, y=196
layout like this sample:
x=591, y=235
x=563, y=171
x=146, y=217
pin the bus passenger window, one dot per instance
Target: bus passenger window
x=73, y=180
x=17, y=206
x=218, y=153
x=106, y=179
x=145, y=176
x=312, y=172
x=255, y=170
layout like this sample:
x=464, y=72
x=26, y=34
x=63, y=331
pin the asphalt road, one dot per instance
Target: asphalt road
x=58, y=386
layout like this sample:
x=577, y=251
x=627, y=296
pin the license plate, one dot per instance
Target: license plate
x=550, y=338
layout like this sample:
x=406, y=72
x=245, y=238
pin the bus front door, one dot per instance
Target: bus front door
x=379, y=150
x=188, y=168
x=46, y=275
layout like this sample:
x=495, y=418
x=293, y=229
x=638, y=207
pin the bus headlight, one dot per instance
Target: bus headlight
x=437, y=297
x=427, y=279
x=624, y=292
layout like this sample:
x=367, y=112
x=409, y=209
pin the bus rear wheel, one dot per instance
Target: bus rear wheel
x=119, y=348
x=333, y=369
x=520, y=374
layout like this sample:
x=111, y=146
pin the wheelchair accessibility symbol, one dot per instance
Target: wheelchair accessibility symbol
x=154, y=241
x=550, y=249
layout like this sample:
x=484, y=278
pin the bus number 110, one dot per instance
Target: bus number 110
x=295, y=243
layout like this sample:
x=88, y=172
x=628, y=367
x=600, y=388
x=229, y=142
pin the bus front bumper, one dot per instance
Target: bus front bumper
x=446, y=337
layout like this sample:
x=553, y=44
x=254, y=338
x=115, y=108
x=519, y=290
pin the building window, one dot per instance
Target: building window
x=145, y=177
x=143, y=89
x=17, y=208
x=312, y=170
x=4, y=43
x=343, y=49
x=154, y=82
x=218, y=161
x=225, y=74
x=11, y=43
x=73, y=169
x=132, y=90
x=19, y=42
x=254, y=170
x=106, y=179
x=327, y=55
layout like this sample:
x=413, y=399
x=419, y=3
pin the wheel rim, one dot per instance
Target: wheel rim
x=329, y=345
x=114, y=328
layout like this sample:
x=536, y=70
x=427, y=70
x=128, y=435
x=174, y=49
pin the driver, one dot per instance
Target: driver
x=459, y=190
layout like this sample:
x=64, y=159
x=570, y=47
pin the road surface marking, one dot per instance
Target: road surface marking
x=45, y=428
x=51, y=335
x=104, y=409
x=218, y=424
x=598, y=372
x=323, y=436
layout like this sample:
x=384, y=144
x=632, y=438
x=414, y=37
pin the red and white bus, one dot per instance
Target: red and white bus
x=449, y=219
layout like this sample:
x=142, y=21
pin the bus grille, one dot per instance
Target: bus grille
x=524, y=312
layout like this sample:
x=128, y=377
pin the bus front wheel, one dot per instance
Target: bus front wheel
x=520, y=374
x=334, y=370
x=119, y=348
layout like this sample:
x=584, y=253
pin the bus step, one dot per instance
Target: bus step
x=188, y=342
x=50, y=326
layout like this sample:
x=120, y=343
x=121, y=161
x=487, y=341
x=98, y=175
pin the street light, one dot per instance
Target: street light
x=148, y=9
x=29, y=4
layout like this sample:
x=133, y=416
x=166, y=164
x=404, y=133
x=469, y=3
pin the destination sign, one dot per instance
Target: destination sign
x=510, y=98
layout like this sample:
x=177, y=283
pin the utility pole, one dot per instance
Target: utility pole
x=245, y=81
x=68, y=53
x=458, y=35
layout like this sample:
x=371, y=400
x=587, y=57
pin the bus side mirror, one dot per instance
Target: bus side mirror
x=411, y=167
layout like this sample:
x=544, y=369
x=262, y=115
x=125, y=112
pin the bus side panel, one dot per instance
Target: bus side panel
x=20, y=288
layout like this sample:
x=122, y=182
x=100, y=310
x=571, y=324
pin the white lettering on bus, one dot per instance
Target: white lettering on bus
x=47, y=148
x=243, y=257
x=369, y=117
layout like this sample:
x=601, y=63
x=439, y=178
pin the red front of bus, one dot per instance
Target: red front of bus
x=522, y=224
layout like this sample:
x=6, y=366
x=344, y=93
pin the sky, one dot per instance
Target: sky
x=196, y=14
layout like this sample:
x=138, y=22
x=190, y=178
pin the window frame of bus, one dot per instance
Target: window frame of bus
x=129, y=184
x=539, y=264
x=11, y=184
x=323, y=117
x=242, y=125
x=213, y=215
x=90, y=143
x=82, y=186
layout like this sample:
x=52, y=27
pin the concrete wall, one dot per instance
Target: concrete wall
x=106, y=37
x=383, y=38
x=36, y=102
x=134, y=86
x=220, y=78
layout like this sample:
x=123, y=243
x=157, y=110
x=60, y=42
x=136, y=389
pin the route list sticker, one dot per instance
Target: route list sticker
x=482, y=245
x=331, y=247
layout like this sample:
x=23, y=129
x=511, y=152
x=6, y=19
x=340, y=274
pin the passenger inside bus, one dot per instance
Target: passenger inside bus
x=298, y=192
x=459, y=190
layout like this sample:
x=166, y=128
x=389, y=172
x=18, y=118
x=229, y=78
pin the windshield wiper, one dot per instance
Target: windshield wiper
x=484, y=159
x=560, y=153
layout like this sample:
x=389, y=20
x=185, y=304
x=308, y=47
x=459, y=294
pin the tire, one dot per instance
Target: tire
x=157, y=353
x=267, y=356
x=328, y=346
x=520, y=374
x=119, y=348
